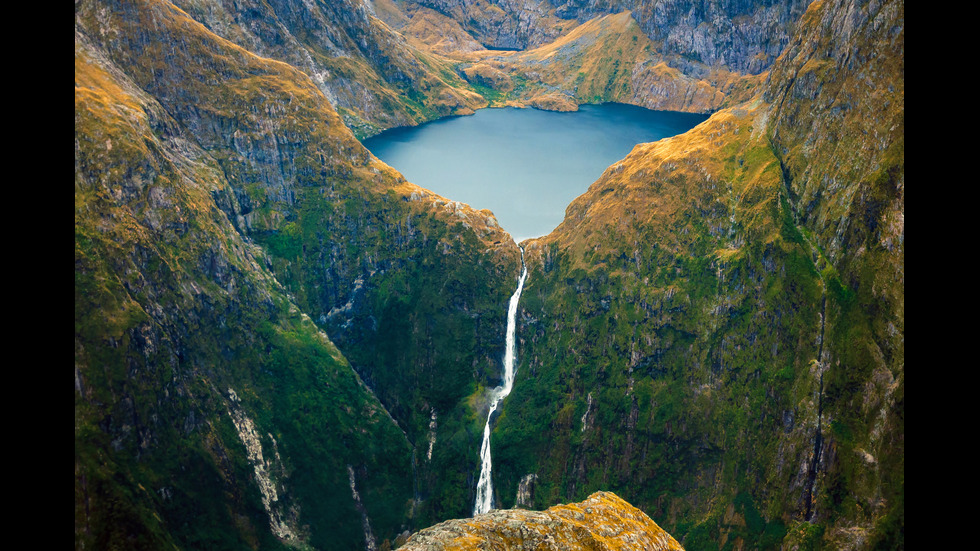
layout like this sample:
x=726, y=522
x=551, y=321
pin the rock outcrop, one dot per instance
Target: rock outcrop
x=370, y=74
x=603, y=522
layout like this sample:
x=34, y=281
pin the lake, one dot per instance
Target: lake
x=525, y=165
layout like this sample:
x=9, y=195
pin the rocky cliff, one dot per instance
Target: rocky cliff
x=743, y=35
x=716, y=329
x=600, y=523
x=224, y=216
x=194, y=369
x=606, y=59
x=369, y=73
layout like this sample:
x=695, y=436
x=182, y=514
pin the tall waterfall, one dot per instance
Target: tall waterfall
x=484, y=488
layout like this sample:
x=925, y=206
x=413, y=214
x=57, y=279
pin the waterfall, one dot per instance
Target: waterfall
x=484, y=488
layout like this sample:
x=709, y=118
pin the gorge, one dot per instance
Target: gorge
x=283, y=342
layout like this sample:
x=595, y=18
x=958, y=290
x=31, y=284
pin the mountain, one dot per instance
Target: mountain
x=211, y=410
x=607, y=58
x=279, y=342
x=742, y=35
x=716, y=330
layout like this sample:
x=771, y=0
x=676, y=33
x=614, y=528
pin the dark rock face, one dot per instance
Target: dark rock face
x=743, y=35
x=503, y=24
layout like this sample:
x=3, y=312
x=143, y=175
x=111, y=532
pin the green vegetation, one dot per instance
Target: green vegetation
x=174, y=308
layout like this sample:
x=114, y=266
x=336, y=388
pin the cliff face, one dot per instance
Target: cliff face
x=719, y=334
x=839, y=128
x=181, y=335
x=506, y=24
x=220, y=205
x=607, y=59
x=601, y=522
x=744, y=36
x=370, y=75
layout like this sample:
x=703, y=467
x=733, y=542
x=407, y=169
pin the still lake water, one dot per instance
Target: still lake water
x=525, y=165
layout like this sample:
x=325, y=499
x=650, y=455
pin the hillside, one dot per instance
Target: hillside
x=716, y=330
x=211, y=187
x=371, y=76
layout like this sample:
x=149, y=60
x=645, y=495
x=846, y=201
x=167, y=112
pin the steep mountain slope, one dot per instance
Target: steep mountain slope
x=743, y=36
x=606, y=59
x=716, y=331
x=507, y=24
x=210, y=410
x=195, y=375
x=370, y=74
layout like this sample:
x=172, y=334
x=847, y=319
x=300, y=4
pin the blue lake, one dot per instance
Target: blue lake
x=525, y=165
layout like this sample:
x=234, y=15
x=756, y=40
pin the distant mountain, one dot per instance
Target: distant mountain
x=744, y=36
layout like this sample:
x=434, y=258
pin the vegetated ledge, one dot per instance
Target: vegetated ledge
x=603, y=521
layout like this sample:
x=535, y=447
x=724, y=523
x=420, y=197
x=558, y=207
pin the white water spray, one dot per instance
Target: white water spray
x=484, y=488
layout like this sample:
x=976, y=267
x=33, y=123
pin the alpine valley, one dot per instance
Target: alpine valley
x=282, y=343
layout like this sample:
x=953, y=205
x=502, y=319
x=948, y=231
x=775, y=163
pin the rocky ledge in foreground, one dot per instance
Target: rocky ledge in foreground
x=602, y=522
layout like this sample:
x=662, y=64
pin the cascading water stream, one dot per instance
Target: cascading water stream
x=484, y=488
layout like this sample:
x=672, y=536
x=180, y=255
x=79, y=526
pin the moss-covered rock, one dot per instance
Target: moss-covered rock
x=602, y=522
